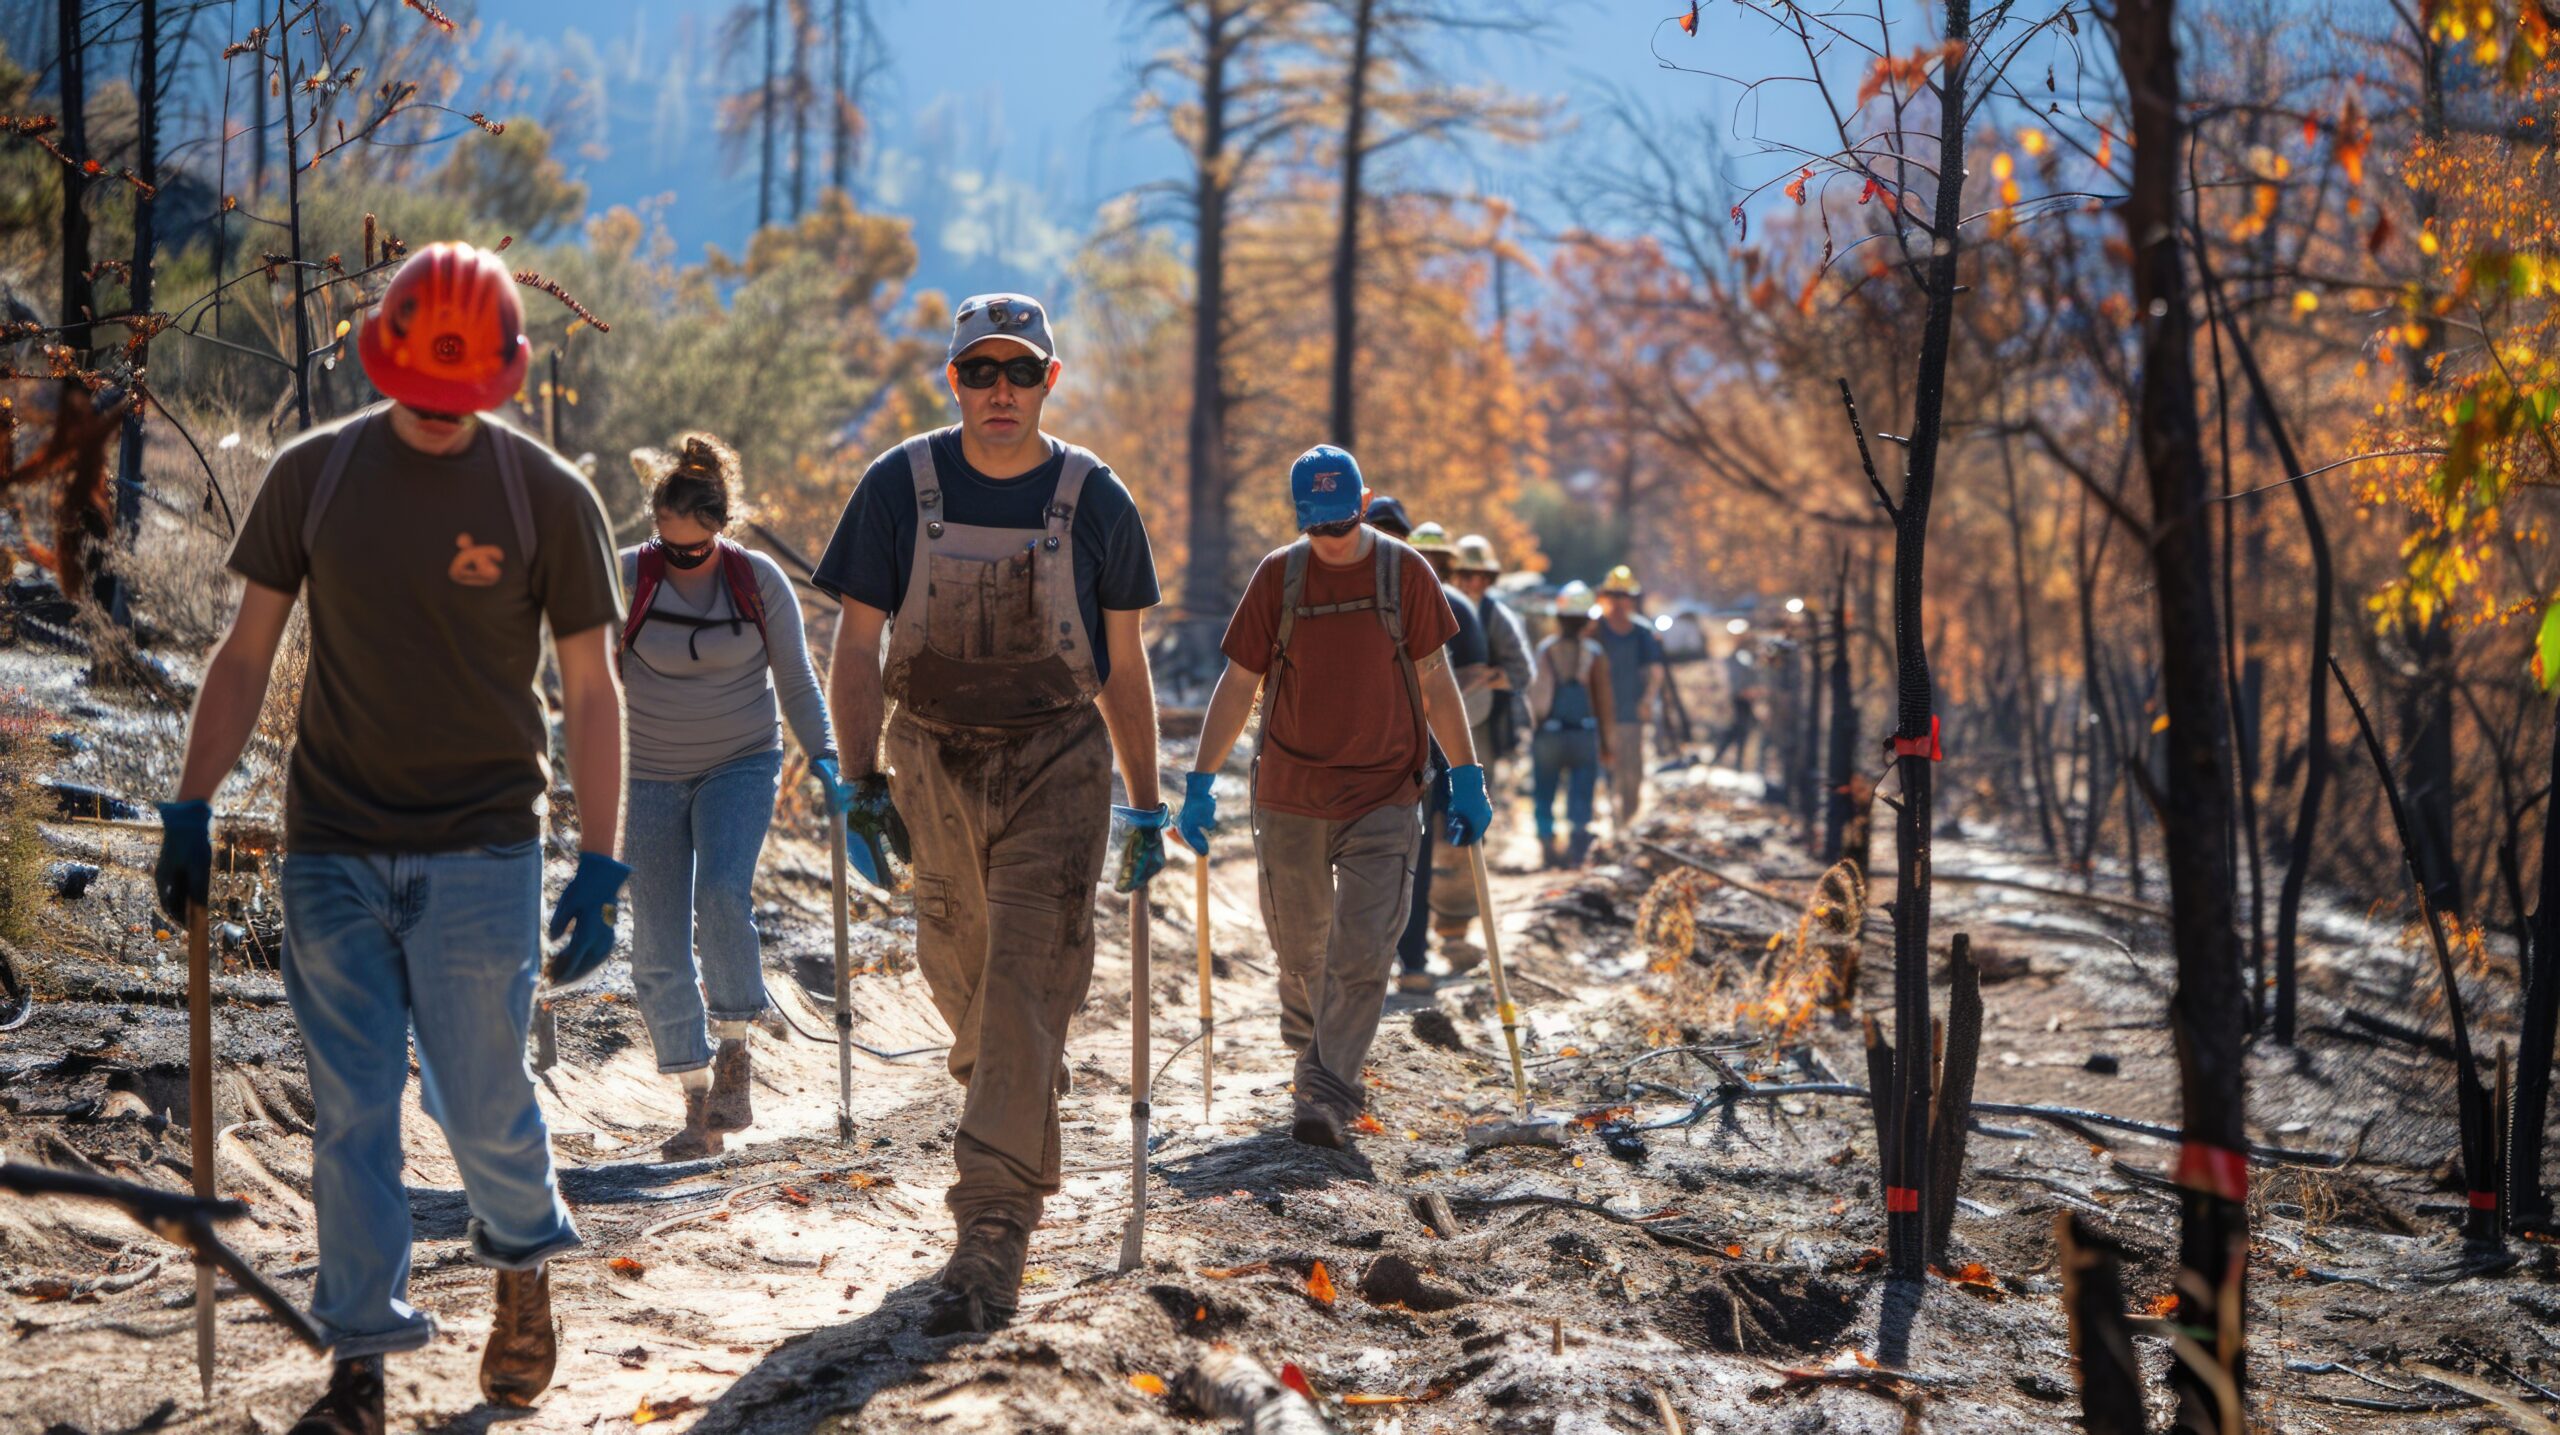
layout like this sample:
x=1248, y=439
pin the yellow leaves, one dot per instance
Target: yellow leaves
x=2002, y=167
x=2106, y=147
x=2160, y=724
x=650, y=1411
x=2032, y=140
x=2305, y=301
x=1147, y=1383
x=2352, y=138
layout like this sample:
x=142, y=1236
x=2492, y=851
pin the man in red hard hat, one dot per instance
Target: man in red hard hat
x=433, y=542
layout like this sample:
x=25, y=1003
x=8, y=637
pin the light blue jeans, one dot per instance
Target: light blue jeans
x=692, y=847
x=448, y=942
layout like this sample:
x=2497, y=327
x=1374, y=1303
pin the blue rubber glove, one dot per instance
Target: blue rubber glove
x=1141, y=833
x=1199, y=811
x=873, y=830
x=830, y=777
x=1470, y=812
x=586, y=915
x=184, y=874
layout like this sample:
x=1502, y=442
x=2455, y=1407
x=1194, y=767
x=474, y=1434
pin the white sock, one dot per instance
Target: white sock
x=698, y=1079
x=731, y=1030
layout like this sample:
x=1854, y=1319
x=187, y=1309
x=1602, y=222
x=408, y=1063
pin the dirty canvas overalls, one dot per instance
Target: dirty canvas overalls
x=1002, y=767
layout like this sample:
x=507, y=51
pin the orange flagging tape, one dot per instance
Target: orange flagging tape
x=2214, y=1171
x=1901, y=1198
x=1921, y=746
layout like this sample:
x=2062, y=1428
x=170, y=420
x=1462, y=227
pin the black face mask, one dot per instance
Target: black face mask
x=686, y=558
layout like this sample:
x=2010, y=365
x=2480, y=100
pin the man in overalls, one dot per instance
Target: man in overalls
x=1018, y=569
x=1347, y=628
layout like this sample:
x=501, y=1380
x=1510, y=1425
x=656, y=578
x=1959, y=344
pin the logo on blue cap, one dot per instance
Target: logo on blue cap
x=1325, y=485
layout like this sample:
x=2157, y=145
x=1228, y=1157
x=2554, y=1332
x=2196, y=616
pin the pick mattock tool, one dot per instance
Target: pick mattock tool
x=1208, y=1013
x=1526, y=1128
x=1133, y=1241
x=200, y=1117
x=844, y=991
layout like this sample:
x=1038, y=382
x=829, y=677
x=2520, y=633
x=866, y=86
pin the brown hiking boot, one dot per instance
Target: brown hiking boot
x=1317, y=1127
x=1414, y=982
x=699, y=1138
x=353, y=1404
x=732, y=1103
x=524, y=1345
x=982, y=1282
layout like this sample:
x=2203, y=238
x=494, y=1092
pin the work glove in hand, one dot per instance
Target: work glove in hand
x=586, y=915
x=1470, y=811
x=873, y=830
x=1138, y=834
x=1199, y=811
x=831, y=777
x=184, y=875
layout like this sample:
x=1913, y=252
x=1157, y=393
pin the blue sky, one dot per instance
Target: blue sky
x=1005, y=124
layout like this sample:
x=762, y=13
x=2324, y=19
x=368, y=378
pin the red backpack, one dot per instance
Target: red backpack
x=734, y=567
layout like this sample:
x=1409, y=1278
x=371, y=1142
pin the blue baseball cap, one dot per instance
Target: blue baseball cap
x=1325, y=485
x=1387, y=512
x=1015, y=317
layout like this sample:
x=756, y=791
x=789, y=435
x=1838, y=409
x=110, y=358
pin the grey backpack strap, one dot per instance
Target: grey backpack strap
x=333, y=471
x=1293, y=592
x=509, y=446
x=1391, y=614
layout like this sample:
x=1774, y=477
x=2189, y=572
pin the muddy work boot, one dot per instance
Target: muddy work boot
x=982, y=1283
x=732, y=1104
x=523, y=1343
x=353, y=1405
x=700, y=1137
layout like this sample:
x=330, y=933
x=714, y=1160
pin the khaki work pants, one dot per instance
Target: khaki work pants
x=1626, y=777
x=1334, y=898
x=1009, y=826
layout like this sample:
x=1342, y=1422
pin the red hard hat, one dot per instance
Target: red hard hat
x=448, y=335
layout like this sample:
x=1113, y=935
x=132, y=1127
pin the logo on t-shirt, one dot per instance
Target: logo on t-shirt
x=475, y=565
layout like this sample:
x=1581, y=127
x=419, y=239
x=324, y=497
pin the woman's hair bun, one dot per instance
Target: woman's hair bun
x=699, y=482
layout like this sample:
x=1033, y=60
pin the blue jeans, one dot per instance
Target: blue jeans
x=1571, y=759
x=693, y=847
x=449, y=942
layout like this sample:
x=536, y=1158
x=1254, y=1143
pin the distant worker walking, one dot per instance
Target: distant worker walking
x=713, y=661
x=1570, y=704
x=1341, y=633
x=1018, y=571
x=1473, y=568
x=434, y=542
x=1636, y=675
x=1445, y=889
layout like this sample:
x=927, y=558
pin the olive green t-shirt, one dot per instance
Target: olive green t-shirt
x=421, y=728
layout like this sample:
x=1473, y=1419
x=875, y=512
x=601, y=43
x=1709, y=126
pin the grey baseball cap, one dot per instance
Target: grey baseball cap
x=1017, y=317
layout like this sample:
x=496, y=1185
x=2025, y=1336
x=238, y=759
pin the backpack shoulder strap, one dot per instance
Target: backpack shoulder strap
x=744, y=589
x=333, y=471
x=1293, y=595
x=1390, y=586
x=650, y=570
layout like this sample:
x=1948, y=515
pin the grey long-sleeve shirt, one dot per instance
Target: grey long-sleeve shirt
x=699, y=698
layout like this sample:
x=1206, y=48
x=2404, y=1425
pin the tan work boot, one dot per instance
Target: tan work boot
x=699, y=1138
x=353, y=1404
x=524, y=1345
x=732, y=1104
x=982, y=1282
x=1414, y=982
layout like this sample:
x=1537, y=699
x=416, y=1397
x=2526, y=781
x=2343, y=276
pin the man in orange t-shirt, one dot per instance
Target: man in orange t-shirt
x=1345, y=629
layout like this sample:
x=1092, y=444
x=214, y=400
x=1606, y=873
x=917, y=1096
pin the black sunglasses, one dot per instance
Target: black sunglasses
x=1340, y=527
x=1023, y=373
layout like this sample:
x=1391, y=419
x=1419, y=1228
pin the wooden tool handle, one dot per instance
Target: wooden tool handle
x=1501, y=985
x=1208, y=1013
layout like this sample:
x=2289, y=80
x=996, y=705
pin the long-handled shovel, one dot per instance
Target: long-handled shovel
x=844, y=991
x=1133, y=1241
x=1208, y=1013
x=200, y=1117
x=1526, y=1128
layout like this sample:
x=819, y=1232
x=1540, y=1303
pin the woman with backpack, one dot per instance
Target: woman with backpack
x=1569, y=704
x=713, y=663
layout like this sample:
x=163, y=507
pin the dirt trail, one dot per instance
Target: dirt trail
x=780, y=1285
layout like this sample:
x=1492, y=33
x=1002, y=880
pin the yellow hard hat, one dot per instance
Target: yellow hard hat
x=1622, y=579
x=1430, y=538
x=1475, y=555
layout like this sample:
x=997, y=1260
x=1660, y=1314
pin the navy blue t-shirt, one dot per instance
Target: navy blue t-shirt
x=874, y=545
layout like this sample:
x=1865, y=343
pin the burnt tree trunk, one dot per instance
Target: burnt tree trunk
x=764, y=114
x=2528, y=1205
x=79, y=300
x=840, y=113
x=1841, y=768
x=1205, y=584
x=2426, y=706
x=1346, y=238
x=293, y=226
x=2039, y=760
x=2093, y=1296
x=2316, y=759
x=799, y=108
x=2207, y=1012
x=1916, y=727
x=117, y=599
x=1809, y=804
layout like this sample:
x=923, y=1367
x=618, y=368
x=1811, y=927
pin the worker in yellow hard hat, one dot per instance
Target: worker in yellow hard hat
x=1636, y=675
